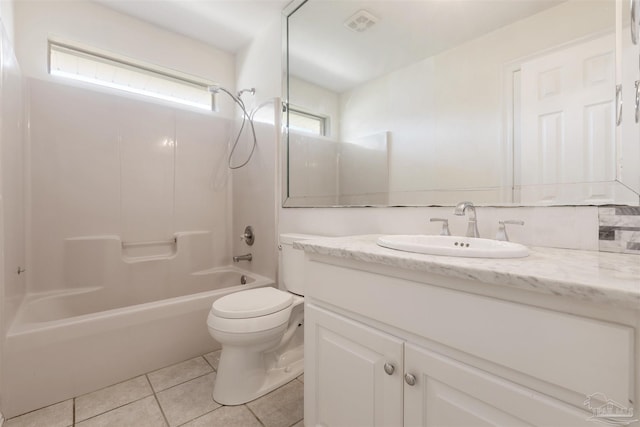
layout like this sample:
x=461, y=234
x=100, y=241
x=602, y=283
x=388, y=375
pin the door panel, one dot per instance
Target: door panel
x=348, y=385
x=568, y=121
x=451, y=393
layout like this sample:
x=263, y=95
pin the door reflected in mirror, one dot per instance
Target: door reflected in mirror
x=431, y=102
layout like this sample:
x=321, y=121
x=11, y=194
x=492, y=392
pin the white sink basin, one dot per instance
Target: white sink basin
x=454, y=246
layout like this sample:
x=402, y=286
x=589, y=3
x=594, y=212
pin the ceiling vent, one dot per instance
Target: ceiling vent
x=360, y=21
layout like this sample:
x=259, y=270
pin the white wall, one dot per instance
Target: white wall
x=94, y=25
x=446, y=113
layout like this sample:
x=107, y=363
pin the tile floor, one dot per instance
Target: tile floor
x=178, y=395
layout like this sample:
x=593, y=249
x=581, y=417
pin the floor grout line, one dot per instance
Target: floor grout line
x=206, y=360
x=254, y=414
x=75, y=421
x=200, y=416
x=188, y=360
x=183, y=382
x=105, y=412
x=44, y=407
x=110, y=385
x=164, y=416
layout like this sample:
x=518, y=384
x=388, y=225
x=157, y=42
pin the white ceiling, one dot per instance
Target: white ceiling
x=322, y=49
x=225, y=24
x=325, y=52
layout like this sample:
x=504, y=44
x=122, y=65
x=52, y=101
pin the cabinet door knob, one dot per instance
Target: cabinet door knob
x=389, y=368
x=410, y=379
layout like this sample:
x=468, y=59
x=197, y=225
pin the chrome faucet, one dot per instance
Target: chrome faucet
x=238, y=258
x=502, y=228
x=461, y=209
x=445, y=226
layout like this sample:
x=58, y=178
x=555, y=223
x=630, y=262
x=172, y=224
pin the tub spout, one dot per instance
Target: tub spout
x=239, y=258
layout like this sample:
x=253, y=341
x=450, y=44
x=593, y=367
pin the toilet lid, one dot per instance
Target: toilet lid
x=252, y=303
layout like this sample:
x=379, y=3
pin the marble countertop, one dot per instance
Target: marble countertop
x=599, y=277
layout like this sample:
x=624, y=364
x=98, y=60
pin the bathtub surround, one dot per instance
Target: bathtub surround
x=255, y=195
x=105, y=164
x=12, y=183
x=12, y=98
x=99, y=169
x=619, y=229
x=252, y=201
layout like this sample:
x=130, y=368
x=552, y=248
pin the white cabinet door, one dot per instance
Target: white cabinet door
x=450, y=393
x=347, y=383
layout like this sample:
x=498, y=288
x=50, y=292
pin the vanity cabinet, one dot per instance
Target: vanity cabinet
x=387, y=347
x=364, y=377
x=356, y=373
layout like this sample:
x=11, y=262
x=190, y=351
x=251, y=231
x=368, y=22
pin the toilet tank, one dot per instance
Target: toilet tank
x=292, y=263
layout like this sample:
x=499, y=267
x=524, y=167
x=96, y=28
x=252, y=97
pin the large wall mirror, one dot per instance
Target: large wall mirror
x=430, y=102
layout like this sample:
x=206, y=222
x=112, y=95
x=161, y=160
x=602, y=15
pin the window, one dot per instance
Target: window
x=108, y=71
x=307, y=122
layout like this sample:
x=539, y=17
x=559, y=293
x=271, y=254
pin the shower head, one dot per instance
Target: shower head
x=216, y=88
x=252, y=91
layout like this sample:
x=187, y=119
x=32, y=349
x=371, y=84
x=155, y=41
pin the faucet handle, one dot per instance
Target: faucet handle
x=502, y=228
x=248, y=237
x=445, y=226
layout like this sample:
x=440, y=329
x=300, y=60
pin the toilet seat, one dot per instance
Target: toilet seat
x=251, y=303
x=251, y=311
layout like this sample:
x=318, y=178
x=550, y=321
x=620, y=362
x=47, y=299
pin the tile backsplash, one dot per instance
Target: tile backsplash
x=619, y=229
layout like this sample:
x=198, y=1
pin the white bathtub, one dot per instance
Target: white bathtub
x=67, y=343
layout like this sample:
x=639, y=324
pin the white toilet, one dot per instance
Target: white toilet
x=261, y=332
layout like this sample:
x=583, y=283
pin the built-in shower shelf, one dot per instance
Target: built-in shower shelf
x=149, y=250
x=87, y=256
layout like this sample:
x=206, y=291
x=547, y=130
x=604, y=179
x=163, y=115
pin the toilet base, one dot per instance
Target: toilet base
x=281, y=368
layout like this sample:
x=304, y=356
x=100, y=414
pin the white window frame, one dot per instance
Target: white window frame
x=323, y=121
x=84, y=64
